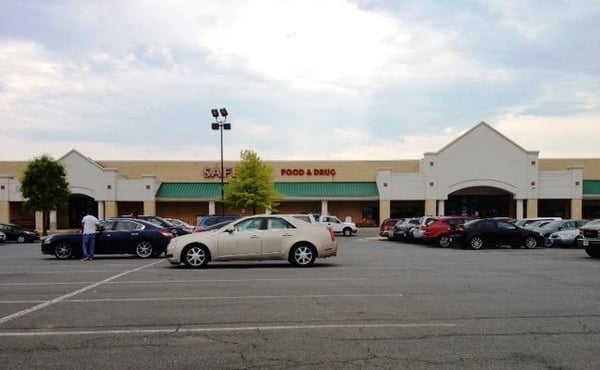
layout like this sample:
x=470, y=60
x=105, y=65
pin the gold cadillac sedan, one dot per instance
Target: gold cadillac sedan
x=258, y=237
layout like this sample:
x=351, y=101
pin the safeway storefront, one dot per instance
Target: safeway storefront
x=481, y=173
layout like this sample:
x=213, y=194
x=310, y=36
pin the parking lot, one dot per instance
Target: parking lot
x=378, y=304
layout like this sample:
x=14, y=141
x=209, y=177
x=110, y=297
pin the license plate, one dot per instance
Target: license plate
x=586, y=243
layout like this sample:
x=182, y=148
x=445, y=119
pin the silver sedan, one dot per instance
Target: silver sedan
x=259, y=237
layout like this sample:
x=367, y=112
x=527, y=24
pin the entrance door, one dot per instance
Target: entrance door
x=70, y=218
x=481, y=202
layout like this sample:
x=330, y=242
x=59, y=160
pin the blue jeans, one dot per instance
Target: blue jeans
x=88, y=245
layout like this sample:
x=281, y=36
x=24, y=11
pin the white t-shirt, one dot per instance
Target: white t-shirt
x=89, y=223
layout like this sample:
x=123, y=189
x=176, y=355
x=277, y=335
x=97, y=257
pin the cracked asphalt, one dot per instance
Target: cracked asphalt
x=377, y=305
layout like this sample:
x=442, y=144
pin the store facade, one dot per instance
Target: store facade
x=482, y=173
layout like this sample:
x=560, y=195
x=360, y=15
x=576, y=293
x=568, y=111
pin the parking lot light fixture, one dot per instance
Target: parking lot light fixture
x=221, y=125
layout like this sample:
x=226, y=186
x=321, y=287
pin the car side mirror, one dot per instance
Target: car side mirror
x=230, y=229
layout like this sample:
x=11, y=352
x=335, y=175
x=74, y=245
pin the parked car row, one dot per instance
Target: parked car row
x=260, y=237
x=445, y=231
x=12, y=232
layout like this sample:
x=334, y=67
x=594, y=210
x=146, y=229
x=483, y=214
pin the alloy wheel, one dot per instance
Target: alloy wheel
x=195, y=256
x=143, y=249
x=63, y=251
x=303, y=255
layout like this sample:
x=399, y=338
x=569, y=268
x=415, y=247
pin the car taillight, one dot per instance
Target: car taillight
x=166, y=233
x=331, y=234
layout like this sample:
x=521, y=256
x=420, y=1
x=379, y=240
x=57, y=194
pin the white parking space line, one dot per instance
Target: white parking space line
x=185, y=281
x=178, y=330
x=256, y=297
x=72, y=294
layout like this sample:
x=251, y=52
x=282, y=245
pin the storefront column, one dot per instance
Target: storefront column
x=5, y=212
x=212, y=207
x=324, y=210
x=52, y=217
x=110, y=209
x=430, y=207
x=532, y=208
x=4, y=199
x=384, y=210
x=441, y=204
x=101, y=210
x=519, y=209
x=576, y=209
x=150, y=207
x=39, y=221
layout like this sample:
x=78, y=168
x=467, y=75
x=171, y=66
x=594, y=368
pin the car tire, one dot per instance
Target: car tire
x=21, y=239
x=63, y=250
x=592, y=252
x=144, y=249
x=347, y=232
x=303, y=255
x=444, y=241
x=548, y=243
x=530, y=242
x=195, y=256
x=476, y=242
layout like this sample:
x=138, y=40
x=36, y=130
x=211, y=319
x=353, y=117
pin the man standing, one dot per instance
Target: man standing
x=88, y=224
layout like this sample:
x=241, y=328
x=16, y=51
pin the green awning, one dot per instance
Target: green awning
x=189, y=190
x=591, y=187
x=328, y=189
x=201, y=191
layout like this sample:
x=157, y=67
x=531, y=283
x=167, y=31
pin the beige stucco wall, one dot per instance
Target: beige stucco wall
x=187, y=171
x=191, y=171
x=591, y=166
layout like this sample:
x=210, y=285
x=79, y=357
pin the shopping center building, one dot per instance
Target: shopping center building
x=482, y=173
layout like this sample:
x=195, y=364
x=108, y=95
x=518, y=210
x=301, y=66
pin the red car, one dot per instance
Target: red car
x=440, y=231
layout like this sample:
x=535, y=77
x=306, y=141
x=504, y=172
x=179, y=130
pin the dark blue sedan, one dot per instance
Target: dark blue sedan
x=117, y=236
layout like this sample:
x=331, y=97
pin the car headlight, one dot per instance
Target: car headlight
x=48, y=239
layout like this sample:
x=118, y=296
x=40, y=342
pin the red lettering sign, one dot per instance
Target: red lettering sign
x=212, y=172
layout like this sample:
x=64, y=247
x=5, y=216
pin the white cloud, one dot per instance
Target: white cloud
x=555, y=137
x=302, y=78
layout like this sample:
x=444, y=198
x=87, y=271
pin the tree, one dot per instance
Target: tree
x=254, y=185
x=44, y=187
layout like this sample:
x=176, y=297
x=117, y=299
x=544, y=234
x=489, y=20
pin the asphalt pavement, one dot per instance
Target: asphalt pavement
x=378, y=304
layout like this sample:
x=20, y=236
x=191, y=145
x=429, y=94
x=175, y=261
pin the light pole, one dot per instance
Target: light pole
x=221, y=125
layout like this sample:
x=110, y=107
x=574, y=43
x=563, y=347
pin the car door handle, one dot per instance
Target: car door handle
x=255, y=236
x=135, y=234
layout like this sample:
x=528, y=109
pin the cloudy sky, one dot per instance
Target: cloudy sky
x=301, y=79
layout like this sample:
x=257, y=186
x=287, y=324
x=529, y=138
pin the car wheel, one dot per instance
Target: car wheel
x=347, y=232
x=476, y=242
x=21, y=239
x=530, y=242
x=195, y=256
x=444, y=241
x=577, y=242
x=548, y=242
x=592, y=252
x=143, y=249
x=63, y=250
x=302, y=255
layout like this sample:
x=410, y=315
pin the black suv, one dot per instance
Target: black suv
x=205, y=222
